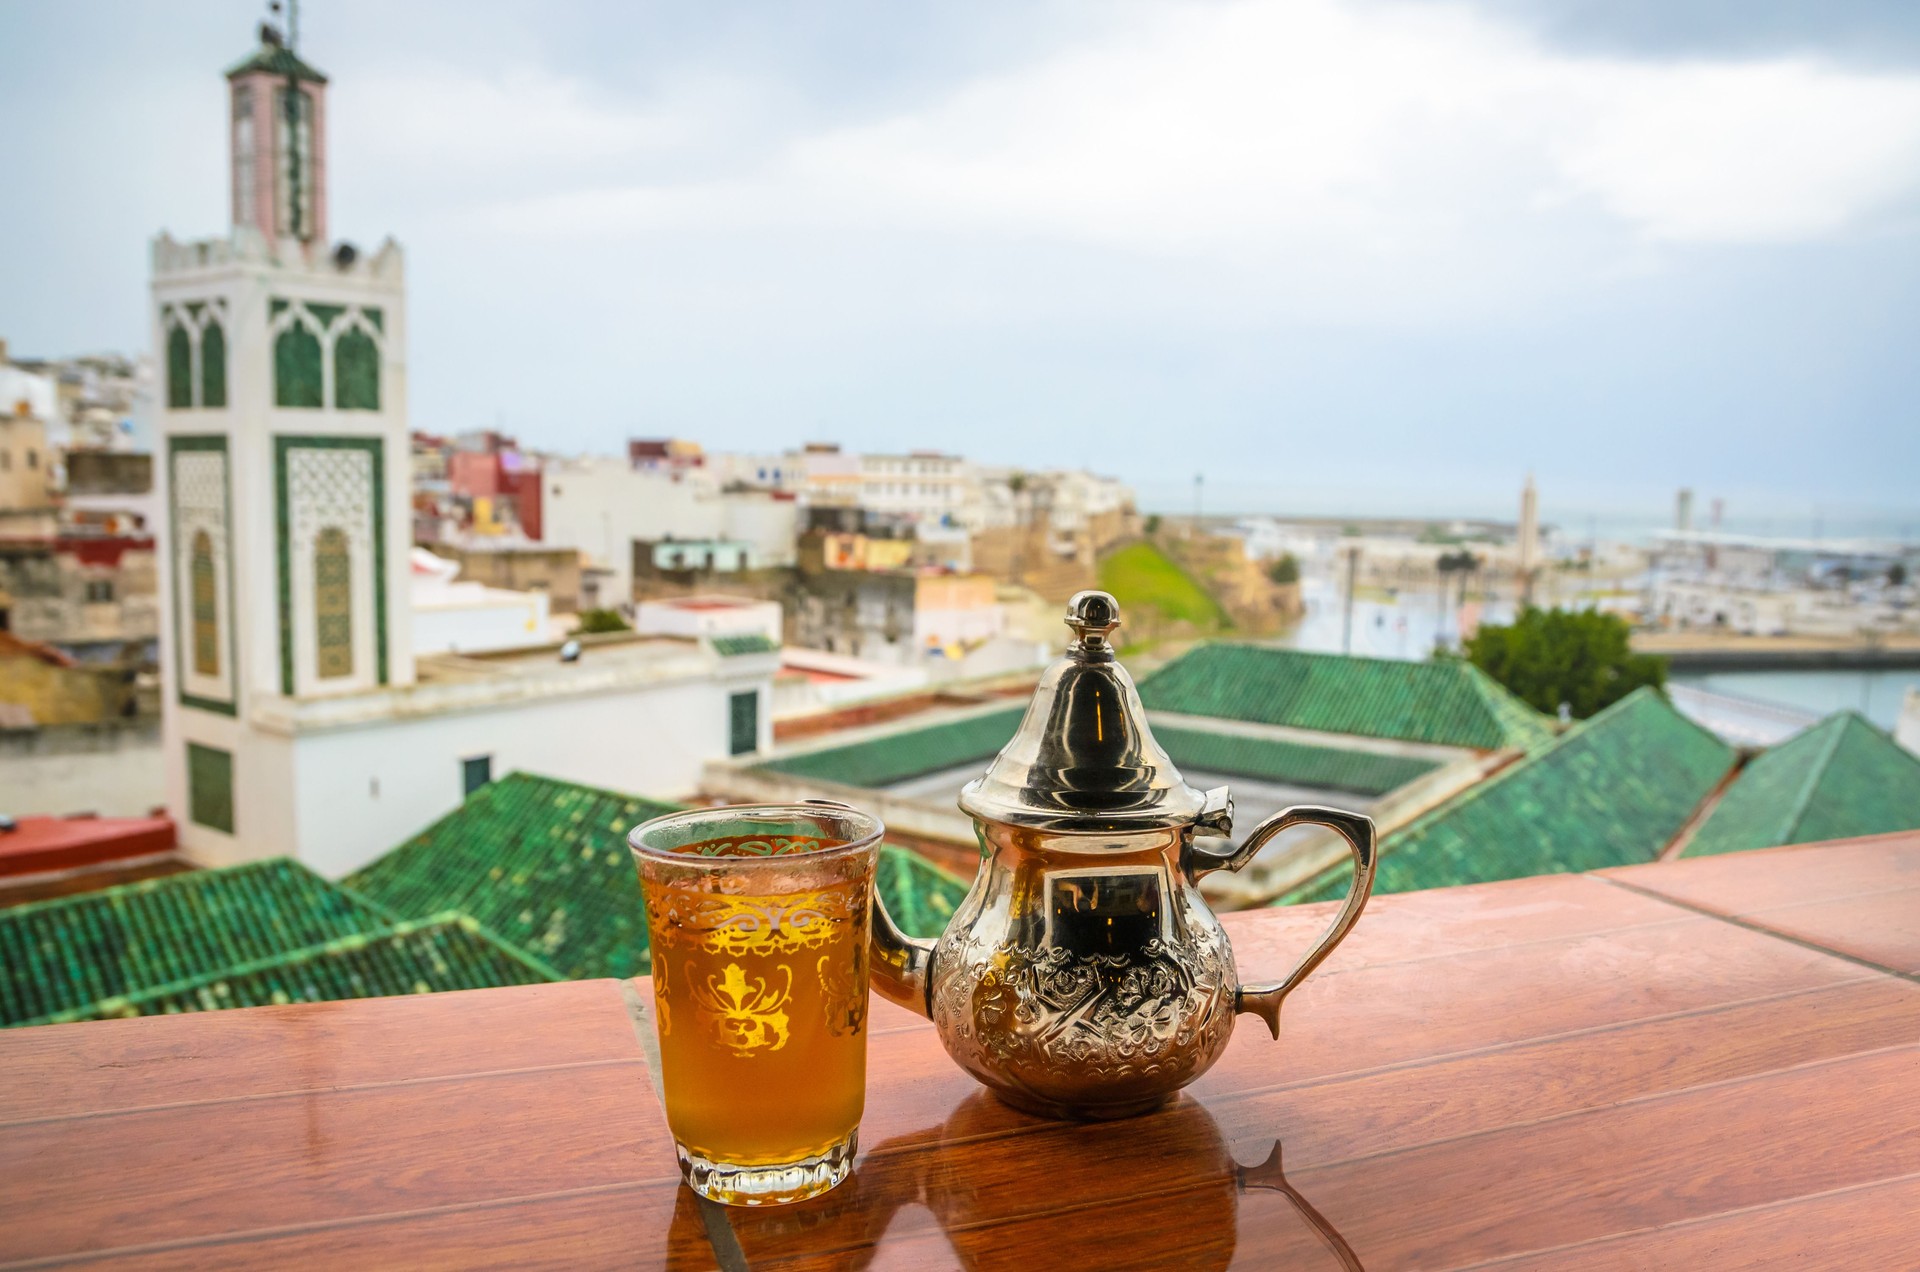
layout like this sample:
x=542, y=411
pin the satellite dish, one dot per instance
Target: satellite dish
x=570, y=652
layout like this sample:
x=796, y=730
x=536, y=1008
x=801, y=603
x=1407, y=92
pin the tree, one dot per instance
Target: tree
x=1578, y=657
x=1285, y=569
x=602, y=620
x=1153, y=523
x=1896, y=574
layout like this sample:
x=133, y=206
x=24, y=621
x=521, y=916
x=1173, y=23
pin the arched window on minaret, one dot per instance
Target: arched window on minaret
x=356, y=372
x=296, y=367
x=332, y=604
x=245, y=195
x=213, y=365
x=296, y=164
x=179, y=368
x=206, y=611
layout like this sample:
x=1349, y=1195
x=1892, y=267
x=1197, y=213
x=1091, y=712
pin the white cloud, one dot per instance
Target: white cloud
x=1291, y=124
x=444, y=120
x=1771, y=151
x=1371, y=163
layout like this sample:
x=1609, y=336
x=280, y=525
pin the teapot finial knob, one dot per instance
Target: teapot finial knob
x=1093, y=615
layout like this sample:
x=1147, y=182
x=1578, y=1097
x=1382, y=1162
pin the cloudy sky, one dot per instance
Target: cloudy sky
x=1337, y=255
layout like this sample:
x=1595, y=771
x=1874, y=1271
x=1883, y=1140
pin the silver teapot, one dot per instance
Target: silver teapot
x=1084, y=975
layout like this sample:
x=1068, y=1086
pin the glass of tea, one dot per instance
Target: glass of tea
x=758, y=917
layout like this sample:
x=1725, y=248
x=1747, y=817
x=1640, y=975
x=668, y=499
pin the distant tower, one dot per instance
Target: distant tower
x=1529, y=539
x=284, y=483
x=1683, y=510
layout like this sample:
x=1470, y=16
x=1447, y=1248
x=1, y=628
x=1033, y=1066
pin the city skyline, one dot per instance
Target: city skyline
x=1318, y=252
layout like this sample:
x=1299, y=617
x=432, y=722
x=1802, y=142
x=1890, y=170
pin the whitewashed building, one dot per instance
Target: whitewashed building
x=924, y=486
x=298, y=718
x=604, y=506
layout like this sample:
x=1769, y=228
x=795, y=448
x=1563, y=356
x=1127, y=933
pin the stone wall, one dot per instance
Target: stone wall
x=112, y=769
x=57, y=692
x=556, y=570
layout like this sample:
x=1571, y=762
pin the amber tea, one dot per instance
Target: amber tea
x=758, y=919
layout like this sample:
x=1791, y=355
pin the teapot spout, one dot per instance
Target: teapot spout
x=902, y=965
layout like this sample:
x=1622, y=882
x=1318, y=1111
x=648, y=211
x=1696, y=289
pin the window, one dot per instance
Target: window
x=99, y=590
x=296, y=165
x=6, y=460
x=213, y=366
x=33, y=458
x=210, y=787
x=356, y=372
x=332, y=604
x=242, y=154
x=296, y=367
x=206, y=618
x=179, y=368
x=475, y=773
x=743, y=722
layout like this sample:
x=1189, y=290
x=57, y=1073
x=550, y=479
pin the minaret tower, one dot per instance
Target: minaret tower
x=1529, y=540
x=284, y=479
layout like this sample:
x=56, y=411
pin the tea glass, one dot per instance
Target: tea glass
x=758, y=917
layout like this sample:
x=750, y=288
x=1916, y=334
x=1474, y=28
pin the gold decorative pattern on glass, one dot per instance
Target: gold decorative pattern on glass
x=843, y=994
x=758, y=925
x=743, y=1012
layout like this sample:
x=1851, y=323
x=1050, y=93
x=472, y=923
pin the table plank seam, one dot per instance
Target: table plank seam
x=1565, y=1035
x=1764, y=930
x=1632, y=1101
x=1334, y=968
x=985, y=1225
x=1781, y=1203
x=305, y=1092
x=246, y=1235
x=1852, y=896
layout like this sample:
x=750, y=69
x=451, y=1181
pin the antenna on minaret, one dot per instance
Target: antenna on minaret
x=292, y=8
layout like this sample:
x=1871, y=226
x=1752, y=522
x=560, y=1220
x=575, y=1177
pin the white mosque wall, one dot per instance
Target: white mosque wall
x=364, y=791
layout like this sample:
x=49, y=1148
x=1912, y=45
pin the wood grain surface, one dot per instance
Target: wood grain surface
x=1702, y=1064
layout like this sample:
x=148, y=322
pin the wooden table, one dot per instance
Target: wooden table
x=1703, y=1064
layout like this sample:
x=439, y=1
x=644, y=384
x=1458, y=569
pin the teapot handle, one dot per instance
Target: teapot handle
x=1264, y=1000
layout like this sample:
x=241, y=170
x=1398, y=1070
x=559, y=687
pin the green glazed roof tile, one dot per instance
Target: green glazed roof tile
x=276, y=59
x=749, y=643
x=541, y=863
x=1836, y=779
x=920, y=896
x=1448, y=702
x=447, y=952
x=61, y=955
x=895, y=757
x=1612, y=791
x=1290, y=763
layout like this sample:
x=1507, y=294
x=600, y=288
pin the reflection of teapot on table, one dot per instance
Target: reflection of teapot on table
x=984, y=1201
x=1084, y=975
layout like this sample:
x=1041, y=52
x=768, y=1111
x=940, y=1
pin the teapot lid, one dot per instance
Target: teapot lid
x=1084, y=758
